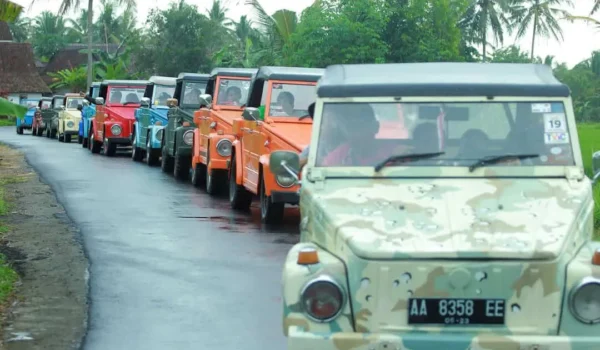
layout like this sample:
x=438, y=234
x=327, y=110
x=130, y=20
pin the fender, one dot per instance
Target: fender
x=93, y=129
x=196, y=144
x=179, y=131
x=136, y=133
x=237, y=150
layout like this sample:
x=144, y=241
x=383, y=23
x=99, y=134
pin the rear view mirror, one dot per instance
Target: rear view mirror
x=99, y=101
x=595, y=166
x=205, y=100
x=251, y=113
x=451, y=113
x=145, y=102
x=285, y=163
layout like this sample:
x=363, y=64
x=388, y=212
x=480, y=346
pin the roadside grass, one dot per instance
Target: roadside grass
x=7, y=122
x=589, y=140
x=8, y=161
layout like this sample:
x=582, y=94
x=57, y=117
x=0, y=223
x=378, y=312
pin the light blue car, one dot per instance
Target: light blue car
x=26, y=122
x=151, y=119
x=87, y=114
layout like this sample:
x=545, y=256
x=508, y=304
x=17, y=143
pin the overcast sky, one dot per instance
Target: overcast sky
x=580, y=39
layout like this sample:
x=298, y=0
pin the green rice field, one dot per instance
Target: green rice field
x=589, y=138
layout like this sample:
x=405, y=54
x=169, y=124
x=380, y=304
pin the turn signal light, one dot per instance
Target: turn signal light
x=308, y=256
x=158, y=123
x=596, y=257
x=186, y=123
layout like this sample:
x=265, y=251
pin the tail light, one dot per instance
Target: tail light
x=322, y=299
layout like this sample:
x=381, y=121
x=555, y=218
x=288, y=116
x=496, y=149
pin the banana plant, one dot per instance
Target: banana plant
x=9, y=11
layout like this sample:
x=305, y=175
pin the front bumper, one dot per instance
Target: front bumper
x=285, y=197
x=298, y=339
x=70, y=132
x=123, y=141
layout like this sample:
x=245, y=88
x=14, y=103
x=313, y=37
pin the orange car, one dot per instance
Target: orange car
x=285, y=93
x=211, y=148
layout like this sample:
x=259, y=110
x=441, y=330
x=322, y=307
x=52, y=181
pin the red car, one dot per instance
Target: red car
x=115, y=108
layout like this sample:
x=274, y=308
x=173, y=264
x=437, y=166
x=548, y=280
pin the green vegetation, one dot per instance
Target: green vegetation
x=7, y=122
x=589, y=139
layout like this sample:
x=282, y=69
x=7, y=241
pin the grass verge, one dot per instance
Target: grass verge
x=7, y=122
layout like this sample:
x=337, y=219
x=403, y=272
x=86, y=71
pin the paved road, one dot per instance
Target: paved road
x=170, y=267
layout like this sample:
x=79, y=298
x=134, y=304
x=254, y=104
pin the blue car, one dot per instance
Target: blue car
x=26, y=122
x=87, y=114
x=151, y=119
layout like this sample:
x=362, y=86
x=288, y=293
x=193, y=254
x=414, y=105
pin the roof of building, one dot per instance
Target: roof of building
x=233, y=72
x=440, y=79
x=18, y=72
x=160, y=80
x=193, y=76
x=290, y=73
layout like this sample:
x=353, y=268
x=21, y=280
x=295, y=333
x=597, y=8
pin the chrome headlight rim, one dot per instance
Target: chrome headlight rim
x=221, y=142
x=282, y=184
x=573, y=293
x=189, y=133
x=70, y=124
x=327, y=279
x=112, y=130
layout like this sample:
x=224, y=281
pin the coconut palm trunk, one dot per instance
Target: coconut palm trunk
x=90, y=22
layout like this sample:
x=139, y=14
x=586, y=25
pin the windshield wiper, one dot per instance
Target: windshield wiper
x=495, y=159
x=412, y=157
x=130, y=103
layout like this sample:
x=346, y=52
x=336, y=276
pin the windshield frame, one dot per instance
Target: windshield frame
x=154, y=96
x=70, y=98
x=446, y=171
x=120, y=86
x=216, y=106
x=281, y=119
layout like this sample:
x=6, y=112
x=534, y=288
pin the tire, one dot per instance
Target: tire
x=270, y=213
x=20, y=130
x=181, y=168
x=94, y=145
x=137, y=154
x=33, y=131
x=67, y=138
x=108, y=148
x=53, y=134
x=198, y=175
x=239, y=197
x=84, y=143
x=215, y=180
x=79, y=139
x=151, y=154
x=61, y=138
x=47, y=133
x=166, y=163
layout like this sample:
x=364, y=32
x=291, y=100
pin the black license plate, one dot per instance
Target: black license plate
x=456, y=311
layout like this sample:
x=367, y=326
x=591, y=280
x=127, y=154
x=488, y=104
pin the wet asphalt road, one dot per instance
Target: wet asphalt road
x=170, y=267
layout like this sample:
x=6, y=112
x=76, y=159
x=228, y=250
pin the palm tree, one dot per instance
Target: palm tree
x=543, y=15
x=484, y=15
x=9, y=11
x=596, y=7
x=20, y=29
x=277, y=28
x=67, y=5
x=48, y=34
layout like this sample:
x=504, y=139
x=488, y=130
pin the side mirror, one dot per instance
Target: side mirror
x=285, y=163
x=99, y=101
x=80, y=107
x=205, y=100
x=251, y=113
x=172, y=102
x=595, y=167
x=61, y=107
x=86, y=103
x=145, y=102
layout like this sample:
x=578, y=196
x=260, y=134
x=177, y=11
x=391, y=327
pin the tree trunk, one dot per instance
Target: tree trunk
x=535, y=23
x=484, y=28
x=90, y=22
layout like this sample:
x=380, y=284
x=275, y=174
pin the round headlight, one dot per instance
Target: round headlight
x=116, y=130
x=188, y=137
x=70, y=124
x=224, y=148
x=585, y=301
x=322, y=299
x=285, y=180
x=159, y=135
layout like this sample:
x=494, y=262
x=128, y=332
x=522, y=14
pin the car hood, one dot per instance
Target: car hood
x=452, y=218
x=160, y=112
x=123, y=112
x=73, y=114
x=297, y=134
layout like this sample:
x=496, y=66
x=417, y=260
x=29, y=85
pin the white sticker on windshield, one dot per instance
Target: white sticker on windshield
x=555, y=122
x=541, y=108
x=553, y=138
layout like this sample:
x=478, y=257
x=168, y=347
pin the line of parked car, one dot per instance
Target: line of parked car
x=221, y=145
x=443, y=205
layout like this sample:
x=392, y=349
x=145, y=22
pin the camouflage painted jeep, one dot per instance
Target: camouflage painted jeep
x=472, y=230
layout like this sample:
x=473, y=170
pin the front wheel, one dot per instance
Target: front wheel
x=181, y=168
x=151, y=153
x=93, y=144
x=198, y=174
x=79, y=139
x=270, y=213
x=19, y=130
x=239, y=197
x=166, y=163
x=67, y=138
x=137, y=154
x=109, y=149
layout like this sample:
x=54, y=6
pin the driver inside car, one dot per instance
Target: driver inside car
x=116, y=97
x=286, y=100
x=233, y=96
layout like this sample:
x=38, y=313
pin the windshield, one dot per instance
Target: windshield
x=361, y=134
x=126, y=95
x=95, y=92
x=192, y=92
x=46, y=104
x=291, y=100
x=233, y=92
x=30, y=103
x=73, y=102
x=57, y=103
x=162, y=93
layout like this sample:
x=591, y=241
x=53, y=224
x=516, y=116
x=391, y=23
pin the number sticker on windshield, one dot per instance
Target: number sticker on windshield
x=553, y=138
x=555, y=122
x=541, y=108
